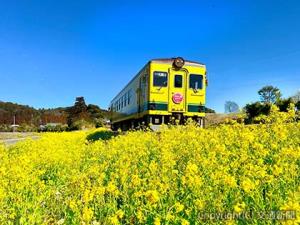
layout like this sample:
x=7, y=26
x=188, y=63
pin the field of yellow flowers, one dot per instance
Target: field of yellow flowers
x=171, y=177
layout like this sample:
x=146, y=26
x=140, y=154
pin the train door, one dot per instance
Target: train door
x=177, y=90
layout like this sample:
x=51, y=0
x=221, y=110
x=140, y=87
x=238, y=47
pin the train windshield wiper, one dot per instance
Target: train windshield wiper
x=196, y=87
x=164, y=84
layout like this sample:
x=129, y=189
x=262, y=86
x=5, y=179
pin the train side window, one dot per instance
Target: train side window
x=160, y=79
x=125, y=99
x=129, y=97
x=178, y=81
x=196, y=81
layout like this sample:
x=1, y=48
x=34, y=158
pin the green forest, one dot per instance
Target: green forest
x=26, y=118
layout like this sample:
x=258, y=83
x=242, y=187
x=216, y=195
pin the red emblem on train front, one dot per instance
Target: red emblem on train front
x=177, y=98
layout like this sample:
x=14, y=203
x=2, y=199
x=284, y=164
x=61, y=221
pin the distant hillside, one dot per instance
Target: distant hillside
x=22, y=113
x=25, y=114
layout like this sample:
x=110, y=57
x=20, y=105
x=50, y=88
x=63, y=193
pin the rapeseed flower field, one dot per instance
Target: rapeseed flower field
x=143, y=177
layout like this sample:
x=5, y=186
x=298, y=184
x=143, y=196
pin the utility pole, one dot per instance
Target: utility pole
x=14, y=125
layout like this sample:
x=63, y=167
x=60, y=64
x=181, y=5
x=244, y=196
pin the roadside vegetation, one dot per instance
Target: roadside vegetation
x=256, y=112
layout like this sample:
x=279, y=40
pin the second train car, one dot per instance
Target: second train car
x=165, y=90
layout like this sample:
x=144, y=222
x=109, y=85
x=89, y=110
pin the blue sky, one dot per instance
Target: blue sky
x=52, y=51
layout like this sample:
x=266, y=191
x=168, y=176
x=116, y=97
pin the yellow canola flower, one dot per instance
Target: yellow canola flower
x=248, y=185
x=199, y=204
x=293, y=209
x=114, y=220
x=178, y=207
x=170, y=217
x=88, y=196
x=152, y=196
x=230, y=181
x=277, y=170
x=112, y=188
x=191, y=168
x=135, y=180
x=238, y=208
x=120, y=214
x=184, y=222
x=142, y=177
x=140, y=216
x=87, y=214
x=72, y=204
x=157, y=221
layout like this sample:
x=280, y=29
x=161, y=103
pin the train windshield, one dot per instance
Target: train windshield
x=196, y=81
x=160, y=79
x=178, y=81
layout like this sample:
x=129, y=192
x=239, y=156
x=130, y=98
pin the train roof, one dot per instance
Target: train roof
x=171, y=60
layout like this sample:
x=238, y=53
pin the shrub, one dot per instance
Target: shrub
x=255, y=109
x=283, y=104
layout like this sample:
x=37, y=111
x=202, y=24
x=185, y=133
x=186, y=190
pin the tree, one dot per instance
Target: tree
x=78, y=111
x=269, y=94
x=80, y=106
x=96, y=114
x=298, y=105
x=231, y=107
x=296, y=97
x=94, y=111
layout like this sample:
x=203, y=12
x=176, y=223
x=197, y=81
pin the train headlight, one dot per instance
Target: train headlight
x=179, y=62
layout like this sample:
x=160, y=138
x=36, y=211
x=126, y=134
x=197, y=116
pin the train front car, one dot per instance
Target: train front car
x=177, y=91
x=164, y=91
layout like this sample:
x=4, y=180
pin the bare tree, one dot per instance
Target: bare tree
x=231, y=107
x=296, y=97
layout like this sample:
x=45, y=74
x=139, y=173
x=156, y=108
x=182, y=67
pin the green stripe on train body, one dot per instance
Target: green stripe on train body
x=196, y=108
x=164, y=107
x=157, y=106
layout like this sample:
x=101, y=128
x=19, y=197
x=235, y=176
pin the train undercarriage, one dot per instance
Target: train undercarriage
x=155, y=121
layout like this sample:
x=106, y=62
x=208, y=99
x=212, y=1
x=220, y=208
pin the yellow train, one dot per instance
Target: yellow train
x=165, y=90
